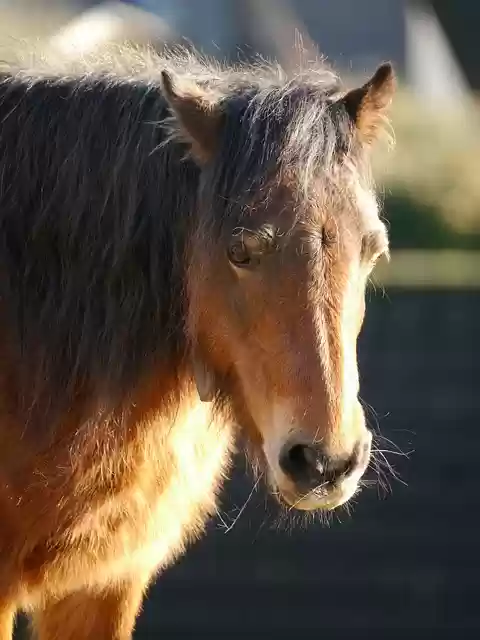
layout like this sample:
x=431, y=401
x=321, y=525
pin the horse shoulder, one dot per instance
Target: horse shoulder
x=109, y=500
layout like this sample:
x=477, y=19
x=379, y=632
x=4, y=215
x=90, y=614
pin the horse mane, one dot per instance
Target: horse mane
x=97, y=202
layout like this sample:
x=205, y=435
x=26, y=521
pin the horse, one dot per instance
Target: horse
x=184, y=250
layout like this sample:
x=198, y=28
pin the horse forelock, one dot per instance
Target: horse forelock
x=287, y=130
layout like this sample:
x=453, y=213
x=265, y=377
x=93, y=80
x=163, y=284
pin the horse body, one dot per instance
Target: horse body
x=91, y=497
x=93, y=515
x=131, y=510
x=137, y=331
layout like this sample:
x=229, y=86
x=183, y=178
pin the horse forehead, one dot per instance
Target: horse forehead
x=348, y=208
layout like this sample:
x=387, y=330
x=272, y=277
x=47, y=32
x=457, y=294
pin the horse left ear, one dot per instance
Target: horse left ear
x=367, y=106
x=197, y=117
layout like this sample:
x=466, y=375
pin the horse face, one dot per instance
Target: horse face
x=279, y=307
x=276, y=285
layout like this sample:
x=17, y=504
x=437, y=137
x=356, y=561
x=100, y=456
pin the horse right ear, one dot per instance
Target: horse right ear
x=368, y=105
x=197, y=117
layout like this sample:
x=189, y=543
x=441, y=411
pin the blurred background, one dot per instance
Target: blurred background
x=406, y=559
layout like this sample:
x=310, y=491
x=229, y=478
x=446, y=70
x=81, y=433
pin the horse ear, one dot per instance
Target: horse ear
x=367, y=106
x=197, y=117
x=204, y=378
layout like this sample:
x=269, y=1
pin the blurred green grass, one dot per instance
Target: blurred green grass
x=430, y=180
x=426, y=269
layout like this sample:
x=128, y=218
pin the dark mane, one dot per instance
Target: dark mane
x=97, y=203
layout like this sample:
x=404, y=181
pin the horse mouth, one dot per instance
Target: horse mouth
x=316, y=499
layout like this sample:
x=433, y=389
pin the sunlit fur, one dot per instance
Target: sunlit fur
x=109, y=232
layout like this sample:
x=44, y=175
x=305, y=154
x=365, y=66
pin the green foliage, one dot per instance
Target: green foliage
x=431, y=178
x=415, y=224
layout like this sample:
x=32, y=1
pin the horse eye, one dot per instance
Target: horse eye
x=239, y=255
x=248, y=246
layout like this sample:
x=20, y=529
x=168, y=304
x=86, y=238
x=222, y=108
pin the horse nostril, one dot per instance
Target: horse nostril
x=302, y=463
x=308, y=466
